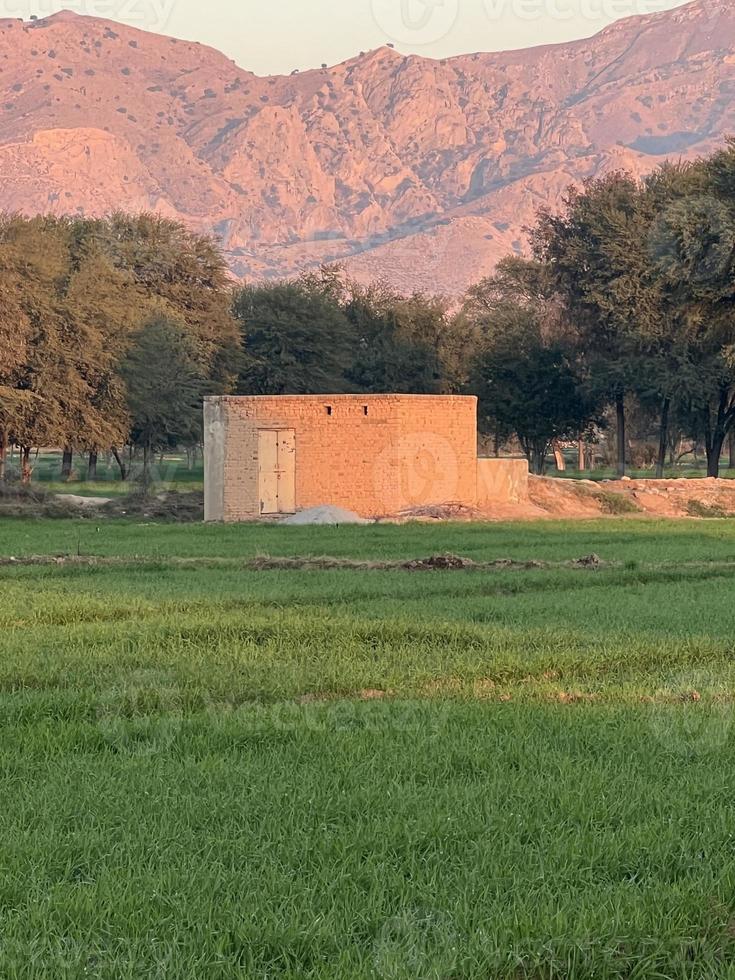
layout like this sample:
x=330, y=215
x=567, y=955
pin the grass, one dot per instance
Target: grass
x=170, y=472
x=212, y=771
x=610, y=503
x=697, y=508
x=614, y=503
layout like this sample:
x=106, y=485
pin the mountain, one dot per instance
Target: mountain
x=420, y=171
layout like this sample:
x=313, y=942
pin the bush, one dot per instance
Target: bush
x=696, y=508
x=616, y=503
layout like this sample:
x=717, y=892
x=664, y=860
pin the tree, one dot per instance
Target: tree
x=597, y=252
x=529, y=385
x=181, y=275
x=73, y=292
x=527, y=375
x=56, y=358
x=407, y=344
x=296, y=338
x=693, y=245
x=165, y=386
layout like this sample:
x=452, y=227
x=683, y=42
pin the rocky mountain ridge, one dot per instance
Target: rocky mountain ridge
x=419, y=171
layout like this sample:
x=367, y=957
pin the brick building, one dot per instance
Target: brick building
x=373, y=454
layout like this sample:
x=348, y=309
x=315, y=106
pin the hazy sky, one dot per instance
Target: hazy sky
x=268, y=36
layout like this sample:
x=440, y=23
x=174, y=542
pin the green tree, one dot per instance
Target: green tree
x=74, y=292
x=527, y=374
x=296, y=338
x=407, y=344
x=58, y=360
x=696, y=246
x=180, y=275
x=597, y=251
x=165, y=386
x=529, y=385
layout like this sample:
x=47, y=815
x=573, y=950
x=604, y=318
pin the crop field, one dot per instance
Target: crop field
x=215, y=763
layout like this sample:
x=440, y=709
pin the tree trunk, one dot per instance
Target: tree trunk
x=714, y=453
x=145, y=481
x=66, y=463
x=92, y=468
x=714, y=440
x=581, y=456
x=620, y=426
x=121, y=465
x=731, y=440
x=673, y=452
x=716, y=430
x=25, y=464
x=663, y=438
x=3, y=455
x=537, y=459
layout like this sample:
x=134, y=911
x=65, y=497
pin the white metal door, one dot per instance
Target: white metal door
x=277, y=471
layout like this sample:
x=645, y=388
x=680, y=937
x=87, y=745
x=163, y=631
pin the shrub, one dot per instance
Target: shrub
x=696, y=508
x=616, y=503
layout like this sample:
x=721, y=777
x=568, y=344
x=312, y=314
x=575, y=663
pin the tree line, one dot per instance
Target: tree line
x=110, y=331
x=113, y=330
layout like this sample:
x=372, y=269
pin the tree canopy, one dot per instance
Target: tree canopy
x=74, y=293
x=112, y=330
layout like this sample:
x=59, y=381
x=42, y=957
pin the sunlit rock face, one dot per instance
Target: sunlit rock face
x=421, y=172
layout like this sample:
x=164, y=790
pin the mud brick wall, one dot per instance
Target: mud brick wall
x=373, y=454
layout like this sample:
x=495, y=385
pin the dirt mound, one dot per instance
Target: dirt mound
x=326, y=514
x=20, y=500
x=589, y=561
x=440, y=512
x=553, y=497
x=180, y=507
x=436, y=563
x=85, y=503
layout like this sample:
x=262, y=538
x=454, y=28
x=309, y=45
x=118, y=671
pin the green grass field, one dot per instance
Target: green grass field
x=171, y=473
x=212, y=771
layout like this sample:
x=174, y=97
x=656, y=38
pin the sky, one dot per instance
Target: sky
x=277, y=36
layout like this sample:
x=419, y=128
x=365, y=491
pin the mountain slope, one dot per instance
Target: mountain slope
x=421, y=171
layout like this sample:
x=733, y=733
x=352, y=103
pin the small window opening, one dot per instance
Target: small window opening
x=329, y=409
x=364, y=409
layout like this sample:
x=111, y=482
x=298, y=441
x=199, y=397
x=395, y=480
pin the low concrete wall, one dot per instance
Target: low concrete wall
x=215, y=432
x=501, y=481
